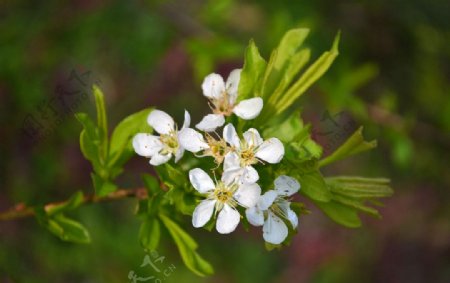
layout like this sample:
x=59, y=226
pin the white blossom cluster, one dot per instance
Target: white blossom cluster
x=238, y=185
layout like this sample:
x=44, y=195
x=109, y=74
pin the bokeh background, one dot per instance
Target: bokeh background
x=392, y=76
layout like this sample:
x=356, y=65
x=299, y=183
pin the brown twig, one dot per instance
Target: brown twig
x=21, y=210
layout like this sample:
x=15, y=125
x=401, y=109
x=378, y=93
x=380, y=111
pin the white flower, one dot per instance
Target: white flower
x=221, y=198
x=193, y=141
x=253, y=149
x=223, y=98
x=272, y=208
x=160, y=148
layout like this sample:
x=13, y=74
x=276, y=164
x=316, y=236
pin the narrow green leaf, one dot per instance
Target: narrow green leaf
x=341, y=214
x=72, y=203
x=120, y=146
x=90, y=141
x=172, y=176
x=88, y=148
x=150, y=234
x=102, y=120
x=254, y=67
x=313, y=186
x=151, y=184
x=359, y=187
x=187, y=248
x=296, y=63
x=311, y=75
x=264, y=87
x=287, y=48
x=88, y=126
x=68, y=230
x=102, y=187
x=357, y=204
x=288, y=130
x=353, y=145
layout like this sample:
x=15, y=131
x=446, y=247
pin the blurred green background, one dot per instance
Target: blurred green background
x=392, y=76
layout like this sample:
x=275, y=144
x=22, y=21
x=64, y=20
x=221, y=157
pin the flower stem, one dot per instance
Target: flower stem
x=21, y=210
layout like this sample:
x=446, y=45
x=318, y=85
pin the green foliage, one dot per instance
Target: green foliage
x=73, y=202
x=61, y=226
x=251, y=74
x=187, y=248
x=311, y=75
x=108, y=156
x=121, y=148
x=355, y=144
x=341, y=214
x=312, y=181
x=150, y=234
x=280, y=86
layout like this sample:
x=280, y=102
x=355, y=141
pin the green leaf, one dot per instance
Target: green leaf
x=359, y=187
x=254, y=67
x=88, y=148
x=187, y=248
x=341, y=214
x=150, y=234
x=264, y=86
x=353, y=145
x=311, y=75
x=151, y=184
x=102, y=187
x=70, y=204
x=183, y=201
x=120, y=146
x=288, y=130
x=171, y=176
x=286, y=49
x=356, y=204
x=296, y=63
x=89, y=141
x=88, y=126
x=313, y=185
x=288, y=46
x=102, y=121
x=68, y=230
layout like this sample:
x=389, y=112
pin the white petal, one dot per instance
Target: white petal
x=232, y=175
x=211, y=122
x=275, y=230
x=285, y=207
x=202, y=213
x=179, y=154
x=191, y=140
x=267, y=199
x=213, y=86
x=159, y=159
x=161, y=122
x=247, y=195
x=230, y=136
x=250, y=175
x=252, y=137
x=254, y=216
x=231, y=161
x=227, y=220
x=271, y=150
x=146, y=144
x=232, y=85
x=293, y=218
x=187, y=120
x=249, y=108
x=286, y=186
x=201, y=181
